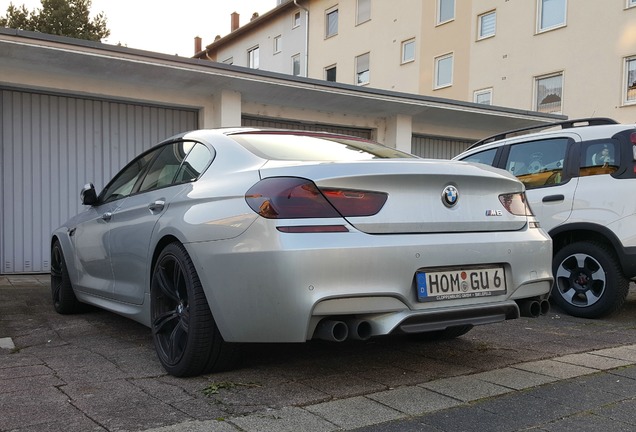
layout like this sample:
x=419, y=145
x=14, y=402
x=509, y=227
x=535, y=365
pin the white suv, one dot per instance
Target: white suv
x=581, y=182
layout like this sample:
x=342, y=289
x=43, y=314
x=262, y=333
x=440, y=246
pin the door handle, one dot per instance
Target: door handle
x=552, y=198
x=156, y=206
x=107, y=216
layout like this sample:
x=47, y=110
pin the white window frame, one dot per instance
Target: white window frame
x=439, y=19
x=540, y=27
x=361, y=19
x=630, y=4
x=480, y=27
x=278, y=44
x=296, y=19
x=295, y=60
x=482, y=92
x=363, y=72
x=537, y=80
x=405, y=44
x=627, y=92
x=329, y=12
x=437, y=84
x=253, y=61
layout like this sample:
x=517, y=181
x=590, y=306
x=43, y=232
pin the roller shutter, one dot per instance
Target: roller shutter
x=51, y=145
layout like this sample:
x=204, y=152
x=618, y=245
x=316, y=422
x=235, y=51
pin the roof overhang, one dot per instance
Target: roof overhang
x=23, y=52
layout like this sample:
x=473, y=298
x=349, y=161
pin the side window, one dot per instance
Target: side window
x=599, y=157
x=486, y=157
x=170, y=165
x=123, y=183
x=197, y=160
x=538, y=163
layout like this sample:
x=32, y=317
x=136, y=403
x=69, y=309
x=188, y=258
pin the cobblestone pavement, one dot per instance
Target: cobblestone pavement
x=98, y=372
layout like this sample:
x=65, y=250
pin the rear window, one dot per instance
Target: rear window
x=294, y=147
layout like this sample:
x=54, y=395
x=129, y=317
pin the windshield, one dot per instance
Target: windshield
x=295, y=147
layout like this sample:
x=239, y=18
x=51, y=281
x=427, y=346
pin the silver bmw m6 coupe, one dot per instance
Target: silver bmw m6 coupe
x=215, y=238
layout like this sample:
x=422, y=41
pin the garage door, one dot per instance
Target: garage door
x=438, y=147
x=295, y=125
x=51, y=146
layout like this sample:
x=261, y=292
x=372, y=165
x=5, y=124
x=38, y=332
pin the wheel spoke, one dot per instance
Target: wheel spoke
x=176, y=345
x=170, y=290
x=159, y=324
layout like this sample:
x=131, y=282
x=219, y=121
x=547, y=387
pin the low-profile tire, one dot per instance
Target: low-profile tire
x=446, y=334
x=588, y=280
x=64, y=300
x=186, y=338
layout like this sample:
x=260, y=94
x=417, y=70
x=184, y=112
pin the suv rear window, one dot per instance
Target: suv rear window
x=538, y=163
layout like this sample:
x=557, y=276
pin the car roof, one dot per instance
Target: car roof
x=596, y=126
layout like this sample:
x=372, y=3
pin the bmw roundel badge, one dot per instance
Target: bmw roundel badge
x=450, y=195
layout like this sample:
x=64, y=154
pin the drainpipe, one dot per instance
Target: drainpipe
x=306, y=67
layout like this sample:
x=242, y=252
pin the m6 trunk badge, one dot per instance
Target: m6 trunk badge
x=450, y=195
x=494, y=213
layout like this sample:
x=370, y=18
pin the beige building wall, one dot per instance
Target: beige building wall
x=391, y=24
x=589, y=51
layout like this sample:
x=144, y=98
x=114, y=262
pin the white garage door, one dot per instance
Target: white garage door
x=50, y=147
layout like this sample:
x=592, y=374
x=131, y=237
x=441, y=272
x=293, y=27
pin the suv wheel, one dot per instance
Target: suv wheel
x=588, y=281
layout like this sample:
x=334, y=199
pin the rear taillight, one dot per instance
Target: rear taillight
x=516, y=203
x=292, y=198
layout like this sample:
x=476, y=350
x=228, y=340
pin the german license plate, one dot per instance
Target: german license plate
x=460, y=283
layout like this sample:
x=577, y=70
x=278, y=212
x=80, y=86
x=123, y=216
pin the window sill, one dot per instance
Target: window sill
x=549, y=29
x=485, y=37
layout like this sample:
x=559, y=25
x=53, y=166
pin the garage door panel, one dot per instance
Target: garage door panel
x=51, y=145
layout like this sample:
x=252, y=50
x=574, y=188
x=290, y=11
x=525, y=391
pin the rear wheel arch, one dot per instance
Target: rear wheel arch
x=566, y=234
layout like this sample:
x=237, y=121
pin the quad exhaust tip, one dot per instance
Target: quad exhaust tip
x=338, y=331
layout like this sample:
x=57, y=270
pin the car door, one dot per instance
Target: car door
x=92, y=236
x=548, y=169
x=132, y=225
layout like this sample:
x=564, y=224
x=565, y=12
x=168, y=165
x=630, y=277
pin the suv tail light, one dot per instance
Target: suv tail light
x=516, y=204
x=293, y=198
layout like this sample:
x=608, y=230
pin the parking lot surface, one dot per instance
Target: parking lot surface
x=98, y=372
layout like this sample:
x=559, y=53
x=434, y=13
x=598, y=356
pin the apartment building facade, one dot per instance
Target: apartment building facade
x=571, y=57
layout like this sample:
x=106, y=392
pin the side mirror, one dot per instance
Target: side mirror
x=88, y=194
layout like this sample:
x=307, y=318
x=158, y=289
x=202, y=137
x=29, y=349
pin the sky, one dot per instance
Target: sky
x=165, y=26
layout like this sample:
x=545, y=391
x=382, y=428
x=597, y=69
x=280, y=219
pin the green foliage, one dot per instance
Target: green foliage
x=59, y=17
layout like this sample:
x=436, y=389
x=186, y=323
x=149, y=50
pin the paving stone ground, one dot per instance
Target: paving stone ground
x=98, y=372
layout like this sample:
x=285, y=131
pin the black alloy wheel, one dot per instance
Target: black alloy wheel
x=186, y=338
x=588, y=281
x=64, y=300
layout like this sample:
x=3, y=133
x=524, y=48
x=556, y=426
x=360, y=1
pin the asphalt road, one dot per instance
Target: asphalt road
x=98, y=371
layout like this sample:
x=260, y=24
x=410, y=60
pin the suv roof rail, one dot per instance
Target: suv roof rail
x=566, y=124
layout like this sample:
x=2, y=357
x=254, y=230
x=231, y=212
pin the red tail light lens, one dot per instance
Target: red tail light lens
x=516, y=203
x=292, y=198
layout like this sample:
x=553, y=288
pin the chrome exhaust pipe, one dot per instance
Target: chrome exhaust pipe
x=332, y=331
x=529, y=308
x=359, y=329
x=545, y=307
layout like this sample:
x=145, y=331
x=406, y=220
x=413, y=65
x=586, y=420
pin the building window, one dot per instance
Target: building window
x=408, y=51
x=296, y=19
x=487, y=24
x=483, y=96
x=631, y=3
x=445, y=11
x=330, y=73
x=253, y=58
x=630, y=77
x=551, y=14
x=363, y=11
x=229, y=61
x=331, y=23
x=296, y=65
x=549, y=93
x=444, y=71
x=278, y=44
x=362, y=69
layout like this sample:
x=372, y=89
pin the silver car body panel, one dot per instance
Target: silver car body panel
x=264, y=285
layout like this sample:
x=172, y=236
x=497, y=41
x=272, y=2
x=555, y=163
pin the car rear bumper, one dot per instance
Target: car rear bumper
x=266, y=286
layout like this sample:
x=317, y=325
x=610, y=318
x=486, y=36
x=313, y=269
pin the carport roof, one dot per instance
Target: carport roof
x=22, y=50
